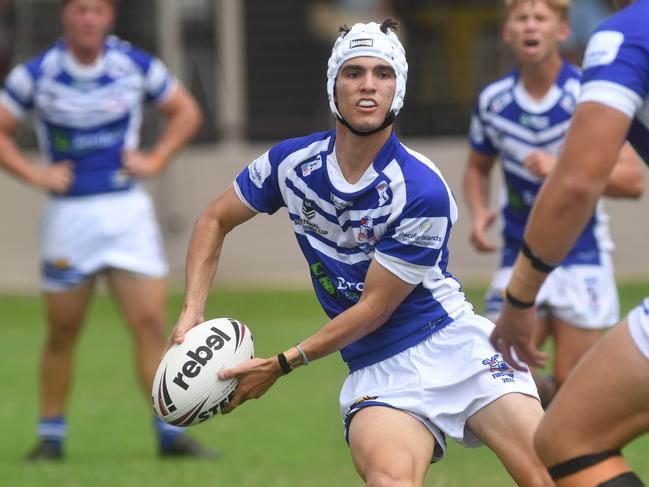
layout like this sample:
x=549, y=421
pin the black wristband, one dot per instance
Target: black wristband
x=538, y=263
x=283, y=363
x=517, y=303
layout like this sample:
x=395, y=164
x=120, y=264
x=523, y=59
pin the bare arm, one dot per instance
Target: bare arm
x=476, y=192
x=217, y=220
x=382, y=294
x=627, y=177
x=55, y=177
x=625, y=181
x=183, y=118
x=562, y=209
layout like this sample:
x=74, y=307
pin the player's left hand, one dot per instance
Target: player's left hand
x=514, y=332
x=255, y=376
x=141, y=165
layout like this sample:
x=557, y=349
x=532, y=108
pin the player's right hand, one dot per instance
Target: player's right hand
x=185, y=322
x=56, y=177
x=479, y=229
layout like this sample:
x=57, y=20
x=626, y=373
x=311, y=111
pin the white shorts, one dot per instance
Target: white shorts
x=442, y=381
x=82, y=235
x=584, y=296
x=639, y=326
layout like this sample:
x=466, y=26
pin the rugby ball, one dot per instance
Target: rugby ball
x=186, y=389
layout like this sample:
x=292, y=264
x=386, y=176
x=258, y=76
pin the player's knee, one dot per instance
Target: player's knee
x=605, y=469
x=387, y=479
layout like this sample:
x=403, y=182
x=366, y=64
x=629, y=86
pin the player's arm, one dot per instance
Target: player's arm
x=217, y=220
x=627, y=177
x=383, y=292
x=562, y=209
x=476, y=194
x=55, y=177
x=182, y=119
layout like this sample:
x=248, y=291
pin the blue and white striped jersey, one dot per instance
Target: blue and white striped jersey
x=616, y=70
x=400, y=213
x=509, y=123
x=88, y=114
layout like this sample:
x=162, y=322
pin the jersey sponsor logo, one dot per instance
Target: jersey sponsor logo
x=422, y=232
x=501, y=102
x=382, y=190
x=309, y=167
x=318, y=271
x=499, y=369
x=603, y=48
x=361, y=43
x=84, y=142
x=256, y=172
x=476, y=132
x=534, y=121
x=339, y=203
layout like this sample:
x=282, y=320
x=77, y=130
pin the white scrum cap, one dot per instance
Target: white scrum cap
x=368, y=40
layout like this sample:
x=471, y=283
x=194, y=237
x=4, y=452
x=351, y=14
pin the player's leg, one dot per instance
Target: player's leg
x=571, y=343
x=142, y=301
x=600, y=408
x=390, y=447
x=65, y=314
x=507, y=427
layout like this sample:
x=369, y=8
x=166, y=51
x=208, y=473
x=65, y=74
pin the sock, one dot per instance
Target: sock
x=167, y=433
x=52, y=428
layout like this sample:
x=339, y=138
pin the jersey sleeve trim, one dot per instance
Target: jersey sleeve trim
x=237, y=190
x=612, y=95
x=15, y=108
x=410, y=273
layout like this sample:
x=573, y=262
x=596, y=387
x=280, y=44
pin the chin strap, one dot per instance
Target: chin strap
x=389, y=120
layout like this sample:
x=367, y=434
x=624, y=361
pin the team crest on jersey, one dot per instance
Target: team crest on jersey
x=308, y=208
x=309, y=167
x=568, y=104
x=499, y=369
x=382, y=189
x=366, y=239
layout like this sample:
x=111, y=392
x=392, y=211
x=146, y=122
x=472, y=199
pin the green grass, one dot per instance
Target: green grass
x=292, y=436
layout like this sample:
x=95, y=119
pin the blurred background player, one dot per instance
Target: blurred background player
x=87, y=92
x=605, y=401
x=522, y=119
x=373, y=214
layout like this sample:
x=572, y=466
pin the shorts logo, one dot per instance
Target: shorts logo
x=308, y=208
x=363, y=399
x=361, y=43
x=499, y=369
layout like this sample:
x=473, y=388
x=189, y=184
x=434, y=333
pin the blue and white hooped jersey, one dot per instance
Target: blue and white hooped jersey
x=616, y=70
x=400, y=213
x=509, y=123
x=88, y=114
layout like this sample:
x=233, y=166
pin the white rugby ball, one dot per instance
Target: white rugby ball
x=186, y=388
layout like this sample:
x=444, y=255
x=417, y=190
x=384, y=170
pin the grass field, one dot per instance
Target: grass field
x=292, y=436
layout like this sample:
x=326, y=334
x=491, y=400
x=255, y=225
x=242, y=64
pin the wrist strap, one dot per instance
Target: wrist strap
x=305, y=360
x=283, y=363
x=517, y=303
x=538, y=263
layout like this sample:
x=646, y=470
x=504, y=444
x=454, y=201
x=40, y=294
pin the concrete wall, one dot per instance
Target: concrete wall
x=263, y=252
